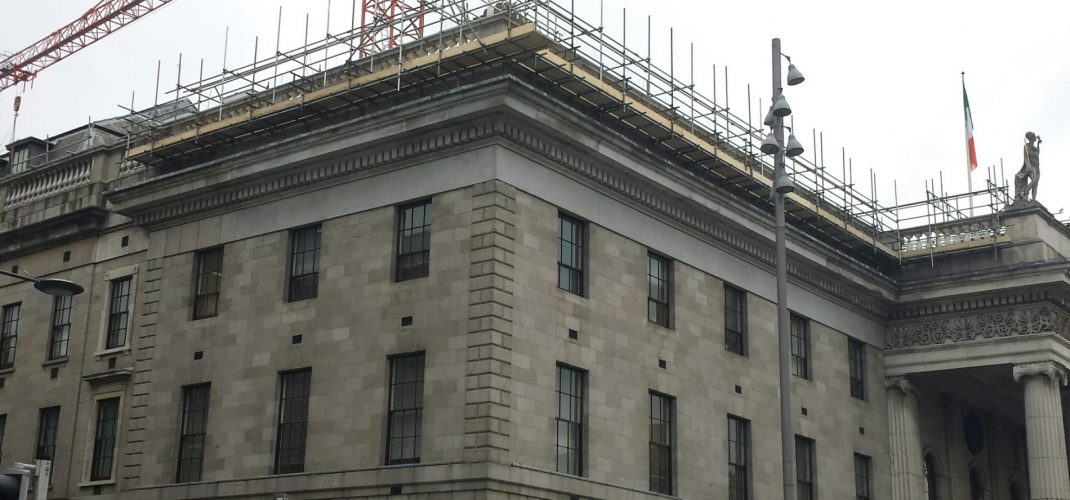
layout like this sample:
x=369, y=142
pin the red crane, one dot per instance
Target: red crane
x=387, y=23
x=104, y=18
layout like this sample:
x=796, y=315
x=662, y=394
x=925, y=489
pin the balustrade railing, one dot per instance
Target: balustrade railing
x=950, y=237
x=48, y=181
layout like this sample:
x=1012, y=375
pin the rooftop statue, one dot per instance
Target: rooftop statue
x=1025, y=181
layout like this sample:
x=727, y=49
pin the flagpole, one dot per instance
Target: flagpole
x=969, y=172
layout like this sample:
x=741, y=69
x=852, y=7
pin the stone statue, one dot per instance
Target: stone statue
x=1025, y=181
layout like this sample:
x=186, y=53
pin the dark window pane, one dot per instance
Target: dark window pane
x=929, y=469
x=404, y=429
x=293, y=422
x=804, y=468
x=60, y=333
x=104, y=439
x=9, y=334
x=659, y=279
x=414, y=241
x=734, y=324
x=47, y=427
x=193, y=432
x=570, y=254
x=3, y=425
x=862, y=477
x=800, y=346
x=570, y=425
x=661, y=443
x=118, y=313
x=207, y=282
x=304, y=263
x=738, y=446
x=857, y=360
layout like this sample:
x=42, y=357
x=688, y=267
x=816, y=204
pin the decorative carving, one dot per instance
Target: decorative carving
x=1053, y=370
x=1023, y=321
x=901, y=383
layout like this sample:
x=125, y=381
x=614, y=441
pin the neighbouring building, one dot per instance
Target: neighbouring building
x=486, y=266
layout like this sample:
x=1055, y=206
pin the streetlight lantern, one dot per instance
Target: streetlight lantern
x=794, y=148
x=51, y=286
x=780, y=107
x=770, y=146
x=795, y=76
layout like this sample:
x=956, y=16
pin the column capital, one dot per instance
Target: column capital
x=900, y=382
x=1053, y=370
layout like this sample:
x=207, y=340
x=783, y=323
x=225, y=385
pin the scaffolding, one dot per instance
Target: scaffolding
x=597, y=73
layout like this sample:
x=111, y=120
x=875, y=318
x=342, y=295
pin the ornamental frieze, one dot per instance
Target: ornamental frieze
x=1008, y=323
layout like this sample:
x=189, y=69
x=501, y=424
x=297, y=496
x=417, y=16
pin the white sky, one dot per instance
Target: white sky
x=882, y=77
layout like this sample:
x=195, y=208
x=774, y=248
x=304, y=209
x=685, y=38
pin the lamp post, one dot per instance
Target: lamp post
x=54, y=287
x=782, y=185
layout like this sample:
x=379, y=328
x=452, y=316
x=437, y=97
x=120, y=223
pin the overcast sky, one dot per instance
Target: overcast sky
x=883, y=78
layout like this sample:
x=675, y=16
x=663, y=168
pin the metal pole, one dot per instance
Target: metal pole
x=787, y=437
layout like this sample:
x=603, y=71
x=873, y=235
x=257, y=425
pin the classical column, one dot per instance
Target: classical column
x=908, y=480
x=1044, y=434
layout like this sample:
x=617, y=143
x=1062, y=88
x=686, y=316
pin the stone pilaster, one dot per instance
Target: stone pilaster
x=908, y=480
x=488, y=397
x=144, y=354
x=1045, y=436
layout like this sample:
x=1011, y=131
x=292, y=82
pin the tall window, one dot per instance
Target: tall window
x=104, y=439
x=293, y=421
x=60, y=334
x=47, y=426
x=856, y=354
x=569, y=445
x=804, y=468
x=800, y=346
x=659, y=278
x=414, y=241
x=3, y=424
x=304, y=263
x=406, y=409
x=977, y=484
x=862, y=477
x=193, y=431
x=209, y=273
x=661, y=440
x=118, y=313
x=735, y=325
x=570, y=254
x=738, y=458
x=929, y=469
x=9, y=334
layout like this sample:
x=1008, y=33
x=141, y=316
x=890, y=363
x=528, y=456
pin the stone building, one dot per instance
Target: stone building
x=472, y=278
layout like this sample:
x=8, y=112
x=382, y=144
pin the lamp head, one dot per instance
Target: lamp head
x=769, y=145
x=58, y=287
x=794, y=147
x=795, y=76
x=770, y=119
x=784, y=184
x=780, y=106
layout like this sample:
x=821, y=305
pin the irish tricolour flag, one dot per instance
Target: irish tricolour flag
x=971, y=152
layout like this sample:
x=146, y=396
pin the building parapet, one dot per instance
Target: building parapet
x=952, y=236
x=46, y=181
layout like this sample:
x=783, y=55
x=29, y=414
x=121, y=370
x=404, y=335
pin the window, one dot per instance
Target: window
x=804, y=468
x=414, y=241
x=862, y=477
x=977, y=485
x=304, y=263
x=104, y=439
x=118, y=313
x=1015, y=490
x=406, y=409
x=9, y=334
x=856, y=353
x=3, y=424
x=569, y=444
x=738, y=458
x=570, y=254
x=60, y=334
x=659, y=277
x=47, y=426
x=661, y=439
x=20, y=160
x=735, y=325
x=800, y=346
x=209, y=273
x=929, y=469
x=193, y=431
x=293, y=421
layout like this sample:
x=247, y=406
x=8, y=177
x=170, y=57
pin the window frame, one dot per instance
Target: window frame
x=292, y=256
x=657, y=305
x=801, y=363
x=578, y=274
x=199, y=272
x=856, y=367
x=417, y=271
x=863, y=465
x=121, y=273
x=577, y=409
x=741, y=295
x=95, y=440
x=737, y=463
x=278, y=466
x=392, y=386
x=42, y=433
x=192, y=474
x=662, y=479
x=59, y=334
x=809, y=471
x=9, y=334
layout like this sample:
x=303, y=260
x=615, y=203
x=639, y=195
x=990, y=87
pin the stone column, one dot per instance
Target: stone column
x=1044, y=434
x=908, y=480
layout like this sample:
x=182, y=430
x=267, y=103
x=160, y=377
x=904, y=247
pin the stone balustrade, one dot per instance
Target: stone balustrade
x=950, y=237
x=48, y=181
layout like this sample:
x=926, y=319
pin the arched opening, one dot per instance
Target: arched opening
x=977, y=485
x=929, y=468
x=1016, y=491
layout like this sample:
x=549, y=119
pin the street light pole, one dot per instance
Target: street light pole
x=786, y=435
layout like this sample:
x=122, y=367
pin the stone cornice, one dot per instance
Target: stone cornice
x=1052, y=294
x=1036, y=318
